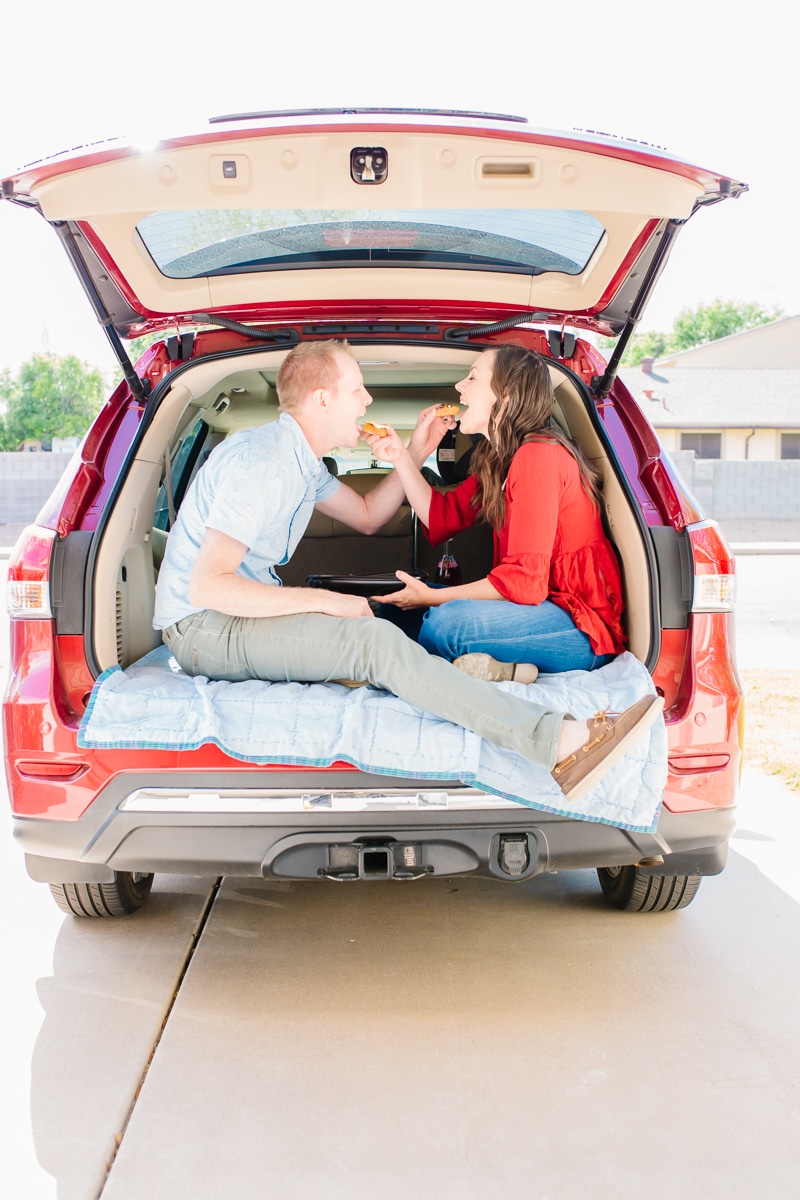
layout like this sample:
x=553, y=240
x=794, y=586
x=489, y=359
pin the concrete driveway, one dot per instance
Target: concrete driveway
x=459, y=1038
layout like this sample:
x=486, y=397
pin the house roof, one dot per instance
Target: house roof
x=719, y=398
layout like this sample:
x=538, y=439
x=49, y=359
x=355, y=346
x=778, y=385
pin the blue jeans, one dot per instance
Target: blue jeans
x=542, y=634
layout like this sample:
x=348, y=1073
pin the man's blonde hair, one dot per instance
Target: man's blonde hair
x=309, y=366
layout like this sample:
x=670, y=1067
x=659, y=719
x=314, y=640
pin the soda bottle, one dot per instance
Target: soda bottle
x=448, y=571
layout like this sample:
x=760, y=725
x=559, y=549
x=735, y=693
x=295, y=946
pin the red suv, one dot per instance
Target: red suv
x=422, y=238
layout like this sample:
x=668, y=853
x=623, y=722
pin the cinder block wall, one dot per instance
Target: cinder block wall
x=725, y=489
x=26, y=480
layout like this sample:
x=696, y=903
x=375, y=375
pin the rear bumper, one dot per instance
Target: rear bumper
x=298, y=831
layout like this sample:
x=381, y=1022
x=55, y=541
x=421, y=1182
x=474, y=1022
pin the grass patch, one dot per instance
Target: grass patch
x=772, y=720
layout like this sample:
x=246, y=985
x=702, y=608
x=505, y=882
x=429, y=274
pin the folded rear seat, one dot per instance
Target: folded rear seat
x=331, y=548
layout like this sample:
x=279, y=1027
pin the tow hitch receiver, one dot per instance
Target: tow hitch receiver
x=387, y=860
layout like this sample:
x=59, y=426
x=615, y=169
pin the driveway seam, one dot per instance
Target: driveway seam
x=197, y=933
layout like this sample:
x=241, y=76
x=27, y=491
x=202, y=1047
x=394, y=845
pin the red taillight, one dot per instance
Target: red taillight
x=28, y=590
x=714, y=566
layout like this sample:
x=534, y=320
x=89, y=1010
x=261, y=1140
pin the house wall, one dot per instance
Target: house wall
x=26, y=480
x=763, y=446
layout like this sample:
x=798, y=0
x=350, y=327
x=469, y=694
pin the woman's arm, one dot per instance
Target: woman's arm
x=429, y=431
x=418, y=491
x=418, y=595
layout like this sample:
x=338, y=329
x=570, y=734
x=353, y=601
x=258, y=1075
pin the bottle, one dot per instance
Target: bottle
x=448, y=571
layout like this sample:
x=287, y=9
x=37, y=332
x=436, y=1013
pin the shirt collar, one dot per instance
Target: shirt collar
x=308, y=462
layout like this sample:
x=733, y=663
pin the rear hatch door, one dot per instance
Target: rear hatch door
x=285, y=217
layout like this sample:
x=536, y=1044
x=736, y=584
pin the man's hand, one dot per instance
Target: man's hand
x=428, y=433
x=336, y=604
x=389, y=448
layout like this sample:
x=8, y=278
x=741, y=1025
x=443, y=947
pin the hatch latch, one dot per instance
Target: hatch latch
x=180, y=347
x=560, y=343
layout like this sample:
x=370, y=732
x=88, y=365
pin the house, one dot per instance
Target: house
x=737, y=398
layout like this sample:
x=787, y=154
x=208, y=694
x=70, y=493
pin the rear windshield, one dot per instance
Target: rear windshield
x=197, y=242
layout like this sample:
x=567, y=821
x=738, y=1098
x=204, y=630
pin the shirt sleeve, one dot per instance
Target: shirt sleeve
x=327, y=485
x=533, y=489
x=451, y=512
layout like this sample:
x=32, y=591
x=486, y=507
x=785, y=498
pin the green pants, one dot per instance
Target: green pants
x=313, y=648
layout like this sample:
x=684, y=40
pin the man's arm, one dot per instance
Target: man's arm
x=370, y=513
x=215, y=584
x=367, y=513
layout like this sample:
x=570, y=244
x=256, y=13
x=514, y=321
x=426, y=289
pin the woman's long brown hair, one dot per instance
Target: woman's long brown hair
x=523, y=377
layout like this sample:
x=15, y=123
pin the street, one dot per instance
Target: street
x=455, y=1038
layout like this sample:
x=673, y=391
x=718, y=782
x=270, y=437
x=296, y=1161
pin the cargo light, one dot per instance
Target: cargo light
x=28, y=588
x=714, y=566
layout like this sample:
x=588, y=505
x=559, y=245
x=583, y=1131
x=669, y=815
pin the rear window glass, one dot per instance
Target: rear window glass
x=198, y=242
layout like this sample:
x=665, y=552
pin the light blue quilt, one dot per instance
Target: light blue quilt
x=154, y=705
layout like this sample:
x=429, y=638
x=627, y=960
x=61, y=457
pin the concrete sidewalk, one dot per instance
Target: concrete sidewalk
x=452, y=1037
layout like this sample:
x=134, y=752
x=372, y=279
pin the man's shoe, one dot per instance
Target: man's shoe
x=483, y=666
x=611, y=735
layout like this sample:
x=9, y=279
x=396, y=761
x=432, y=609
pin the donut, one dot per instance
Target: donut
x=379, y=430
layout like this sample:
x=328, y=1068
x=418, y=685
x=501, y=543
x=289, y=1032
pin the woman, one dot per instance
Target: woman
x=552, y=600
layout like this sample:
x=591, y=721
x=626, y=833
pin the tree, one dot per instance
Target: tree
x=642, y=345
x=720, y=318
x=136, y=347
x=51, y=396
x=695, y=327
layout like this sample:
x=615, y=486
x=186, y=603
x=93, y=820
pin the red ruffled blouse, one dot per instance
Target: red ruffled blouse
x=552, y=545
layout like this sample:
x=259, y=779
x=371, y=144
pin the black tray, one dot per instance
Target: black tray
x=363, y=585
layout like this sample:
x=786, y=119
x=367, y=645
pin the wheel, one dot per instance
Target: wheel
x=128, y=892
x=633, y=890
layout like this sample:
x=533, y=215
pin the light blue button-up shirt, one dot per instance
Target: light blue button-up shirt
x=260, y=487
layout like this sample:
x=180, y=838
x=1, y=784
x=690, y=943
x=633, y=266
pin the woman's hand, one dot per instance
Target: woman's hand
x=415, y=594
x=428, y=433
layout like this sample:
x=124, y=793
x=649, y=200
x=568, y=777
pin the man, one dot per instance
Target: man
x=225, y=615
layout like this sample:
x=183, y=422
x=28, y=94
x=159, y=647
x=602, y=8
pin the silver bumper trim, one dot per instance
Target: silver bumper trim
x=278, y=800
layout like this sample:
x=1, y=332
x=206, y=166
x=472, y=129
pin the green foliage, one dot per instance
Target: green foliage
x=720, y=318
x=51, y=396
x=136, y=347
x=694, y=327
x=642, y=345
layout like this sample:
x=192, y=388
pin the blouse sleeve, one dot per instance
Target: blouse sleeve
x=534, y=486
x=451, y=512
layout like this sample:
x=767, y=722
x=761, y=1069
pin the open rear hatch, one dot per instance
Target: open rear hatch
x=271, y=218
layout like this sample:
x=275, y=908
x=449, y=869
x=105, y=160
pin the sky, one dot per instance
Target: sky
x=712, y=85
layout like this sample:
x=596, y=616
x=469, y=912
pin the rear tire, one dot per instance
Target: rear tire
x=632, y=890
x=127, y=893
